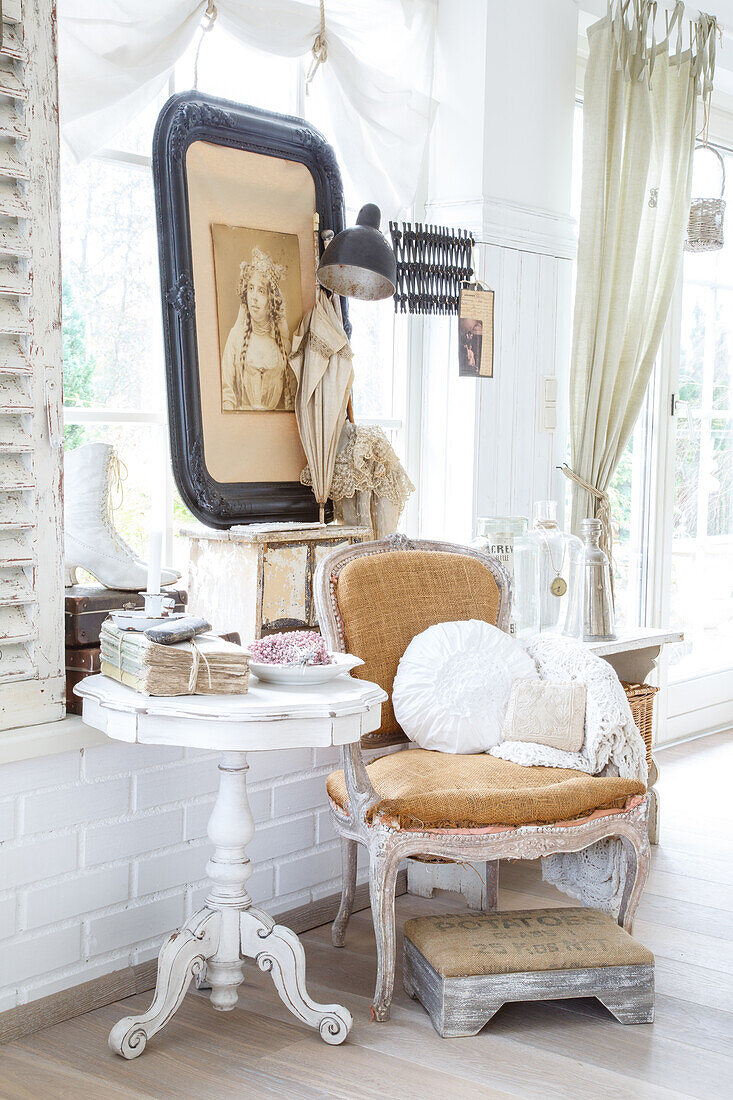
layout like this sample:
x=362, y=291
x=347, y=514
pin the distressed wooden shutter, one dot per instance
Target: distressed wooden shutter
x=31, y=434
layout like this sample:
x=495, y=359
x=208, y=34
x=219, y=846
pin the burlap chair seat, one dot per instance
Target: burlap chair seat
x=418, y=788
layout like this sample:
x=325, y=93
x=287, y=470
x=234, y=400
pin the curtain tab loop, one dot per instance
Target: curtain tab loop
x=207, y=22
x=319, y=49
x=209, y=17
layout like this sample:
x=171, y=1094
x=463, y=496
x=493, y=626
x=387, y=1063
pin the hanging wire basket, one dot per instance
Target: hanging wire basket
x=705, y=225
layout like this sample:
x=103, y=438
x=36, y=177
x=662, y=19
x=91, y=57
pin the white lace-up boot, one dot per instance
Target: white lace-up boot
x=92, y=543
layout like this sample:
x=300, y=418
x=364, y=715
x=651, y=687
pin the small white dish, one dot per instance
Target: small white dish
x=302, y=675
x=140, y=620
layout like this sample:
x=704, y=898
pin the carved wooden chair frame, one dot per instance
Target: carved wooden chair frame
x=388, y=845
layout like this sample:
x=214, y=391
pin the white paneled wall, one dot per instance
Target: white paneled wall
x=483, y=452
x=516, y=461
x=102, y=854
x=501, y=166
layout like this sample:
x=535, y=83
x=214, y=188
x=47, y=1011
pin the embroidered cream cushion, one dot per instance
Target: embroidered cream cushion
x=452, y=685
x=547, y=712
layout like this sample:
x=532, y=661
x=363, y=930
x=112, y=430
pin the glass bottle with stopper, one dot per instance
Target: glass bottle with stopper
x=590, y=607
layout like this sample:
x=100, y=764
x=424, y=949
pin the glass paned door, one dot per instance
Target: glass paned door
x=701, y=600
x=700, y=669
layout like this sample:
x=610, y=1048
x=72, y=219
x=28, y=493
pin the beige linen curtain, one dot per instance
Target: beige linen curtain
x=638, y=139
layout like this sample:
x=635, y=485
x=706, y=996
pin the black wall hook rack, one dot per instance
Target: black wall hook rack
x=433, y=262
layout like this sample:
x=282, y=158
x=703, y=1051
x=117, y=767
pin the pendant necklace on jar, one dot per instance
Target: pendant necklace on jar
x=558, y=584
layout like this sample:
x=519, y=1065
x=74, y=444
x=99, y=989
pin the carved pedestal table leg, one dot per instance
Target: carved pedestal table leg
x=183, y=957
x=228, y=929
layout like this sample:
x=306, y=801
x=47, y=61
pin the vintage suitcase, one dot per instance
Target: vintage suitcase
x=87, y=606
x=80, y=662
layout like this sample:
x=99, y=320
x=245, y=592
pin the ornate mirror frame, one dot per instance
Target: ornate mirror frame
x=187, y=118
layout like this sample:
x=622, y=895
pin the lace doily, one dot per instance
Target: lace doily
x=613, y=745
x=366, y=461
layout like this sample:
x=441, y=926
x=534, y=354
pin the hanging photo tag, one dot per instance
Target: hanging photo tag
x=476, y=332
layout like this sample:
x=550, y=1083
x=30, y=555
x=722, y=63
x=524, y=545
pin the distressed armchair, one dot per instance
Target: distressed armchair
x=371, y=600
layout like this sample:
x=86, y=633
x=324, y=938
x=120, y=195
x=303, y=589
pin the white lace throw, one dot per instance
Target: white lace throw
x=612, y=744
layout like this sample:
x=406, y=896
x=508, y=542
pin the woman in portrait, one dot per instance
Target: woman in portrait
x=255, y=374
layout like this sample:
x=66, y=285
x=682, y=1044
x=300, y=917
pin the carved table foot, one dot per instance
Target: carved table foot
x=278, y=951
x=183, y=958
x=214, y=942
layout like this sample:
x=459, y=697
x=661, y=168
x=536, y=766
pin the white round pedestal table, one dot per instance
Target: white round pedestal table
x=229, y=927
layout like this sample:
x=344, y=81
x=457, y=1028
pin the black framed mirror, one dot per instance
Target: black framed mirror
x=236, y=192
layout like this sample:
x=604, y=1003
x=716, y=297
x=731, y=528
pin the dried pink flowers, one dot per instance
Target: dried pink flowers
x=295, y=647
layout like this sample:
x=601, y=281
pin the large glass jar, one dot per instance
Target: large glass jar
x=505, y=538
x=555, y=551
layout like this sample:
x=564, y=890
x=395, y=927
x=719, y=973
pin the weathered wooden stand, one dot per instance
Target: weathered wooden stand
x=258, y=579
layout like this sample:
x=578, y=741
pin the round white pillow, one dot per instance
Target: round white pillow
x=452, y=685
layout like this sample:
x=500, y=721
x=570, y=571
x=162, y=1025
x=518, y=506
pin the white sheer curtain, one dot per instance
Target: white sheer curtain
x=639, y=126
x=115, y=56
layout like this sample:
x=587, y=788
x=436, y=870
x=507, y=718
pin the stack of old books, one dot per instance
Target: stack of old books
x=87, y=606
x=207, y=665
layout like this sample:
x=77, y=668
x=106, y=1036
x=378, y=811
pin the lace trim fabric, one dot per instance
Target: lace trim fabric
x=367, y=462
x=321, y=348
x=612, y=745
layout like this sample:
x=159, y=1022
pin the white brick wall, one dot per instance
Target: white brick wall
x=102, y=853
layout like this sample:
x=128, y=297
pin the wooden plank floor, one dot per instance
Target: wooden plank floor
x=561, y=1049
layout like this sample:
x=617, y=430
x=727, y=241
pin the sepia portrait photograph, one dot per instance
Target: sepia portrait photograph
x=470, y=332
x=259, y=307
x=476, y=333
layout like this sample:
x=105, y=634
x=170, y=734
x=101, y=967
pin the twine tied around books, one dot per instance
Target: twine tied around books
x=198, y=657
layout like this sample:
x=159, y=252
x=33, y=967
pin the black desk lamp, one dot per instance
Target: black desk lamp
x=359, y=262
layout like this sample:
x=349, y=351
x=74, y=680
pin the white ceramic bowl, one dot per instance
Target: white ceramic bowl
x=302, y=675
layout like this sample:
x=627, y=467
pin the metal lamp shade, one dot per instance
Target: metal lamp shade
x=359, y=262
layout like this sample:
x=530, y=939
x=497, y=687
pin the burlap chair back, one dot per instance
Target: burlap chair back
x=386, y=599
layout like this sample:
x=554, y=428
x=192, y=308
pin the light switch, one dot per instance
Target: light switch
x=549, y=418
x=548, y=403
x=549, y=389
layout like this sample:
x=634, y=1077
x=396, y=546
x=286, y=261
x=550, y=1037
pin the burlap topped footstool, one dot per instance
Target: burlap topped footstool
x=464, y=966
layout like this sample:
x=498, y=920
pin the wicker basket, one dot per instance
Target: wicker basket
x=705, y=224
x=641, y=701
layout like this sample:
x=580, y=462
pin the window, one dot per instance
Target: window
x=114, y=386
x=701, y=599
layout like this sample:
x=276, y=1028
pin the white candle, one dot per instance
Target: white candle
x=155, y=550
